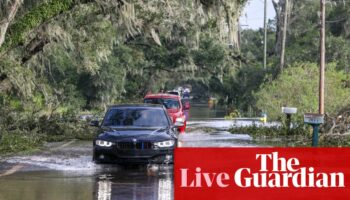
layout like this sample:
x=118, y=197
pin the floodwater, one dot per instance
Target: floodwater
x=65, y=170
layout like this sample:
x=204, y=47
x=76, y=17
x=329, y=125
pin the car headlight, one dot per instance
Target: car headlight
x=103, y=143
x=168, y=143
x=180, y=119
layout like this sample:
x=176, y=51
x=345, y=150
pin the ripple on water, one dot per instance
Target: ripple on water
x=214, y=139
x=82, y=163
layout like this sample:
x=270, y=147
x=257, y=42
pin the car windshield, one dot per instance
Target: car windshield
x=136, y=117
x=168, y=103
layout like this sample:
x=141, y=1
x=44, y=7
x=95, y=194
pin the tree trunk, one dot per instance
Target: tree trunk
x=278, y=5
x=283, y=11
x=232, y=12
x=284, y=34
x=4, y=23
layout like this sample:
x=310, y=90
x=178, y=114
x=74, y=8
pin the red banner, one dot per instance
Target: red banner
x=262, y=173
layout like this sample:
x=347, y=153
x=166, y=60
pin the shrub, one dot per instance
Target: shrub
x=297, y=87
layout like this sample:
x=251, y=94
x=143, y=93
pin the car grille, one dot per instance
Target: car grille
x=132, y=145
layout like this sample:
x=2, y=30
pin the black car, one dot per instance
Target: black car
x=135, y=134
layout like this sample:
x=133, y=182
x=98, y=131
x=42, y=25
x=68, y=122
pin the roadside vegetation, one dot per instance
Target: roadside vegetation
x=28, y=133
x=60, y=59
x=298, y=136
x=296, y=84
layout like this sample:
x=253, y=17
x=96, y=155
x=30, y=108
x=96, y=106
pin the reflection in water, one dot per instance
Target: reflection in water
x=202, y=111
x=104, y=190
x=42, y=185
x=136, y=184
x=164, y=189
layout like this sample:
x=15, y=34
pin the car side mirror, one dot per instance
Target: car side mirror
x=94, y=123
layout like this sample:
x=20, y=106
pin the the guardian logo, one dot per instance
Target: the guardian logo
x=274, y=172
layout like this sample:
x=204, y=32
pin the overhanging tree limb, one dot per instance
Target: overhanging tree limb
x=4, y=23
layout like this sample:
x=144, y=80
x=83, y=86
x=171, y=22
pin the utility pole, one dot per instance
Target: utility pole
x=265, y=32
x=322, y=57
x=285, y=17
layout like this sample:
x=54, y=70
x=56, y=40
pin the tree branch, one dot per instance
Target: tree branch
x=4, y=24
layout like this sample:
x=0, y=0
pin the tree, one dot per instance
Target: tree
x=98, y=40
x=297, y=86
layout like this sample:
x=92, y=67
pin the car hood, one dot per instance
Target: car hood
x=153, y=135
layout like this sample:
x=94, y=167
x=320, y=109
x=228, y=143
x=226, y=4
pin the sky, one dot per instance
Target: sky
x=253, y=14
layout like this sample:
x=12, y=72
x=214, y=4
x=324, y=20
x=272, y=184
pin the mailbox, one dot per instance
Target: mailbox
x=289, y=110
x=313, y=118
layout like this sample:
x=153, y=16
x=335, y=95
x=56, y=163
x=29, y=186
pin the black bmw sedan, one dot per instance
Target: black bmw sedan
x=135, y=134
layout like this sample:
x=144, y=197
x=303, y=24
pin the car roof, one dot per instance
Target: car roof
x=162, y=95
x=136, y=106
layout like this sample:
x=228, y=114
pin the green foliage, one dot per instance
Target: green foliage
x=17, y=141
x=299, y=135
x=276, y=135
x=108, y=84
x=63, y=56
x=210, y=56
x=297, y=87
x=272, y=131
x=335, y=140
x=338, y=51
x=36, y=16
x=338, y=18
x=26, y=131
x=252, y=45
x=303, y=34
x=20, y=83
x=241, y=87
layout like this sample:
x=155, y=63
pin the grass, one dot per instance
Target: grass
x=16, y=141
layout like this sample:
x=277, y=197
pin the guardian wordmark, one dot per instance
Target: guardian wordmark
x=262, y=173
x=274, y=171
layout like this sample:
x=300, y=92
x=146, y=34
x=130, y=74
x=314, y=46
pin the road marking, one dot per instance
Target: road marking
x=12, y=170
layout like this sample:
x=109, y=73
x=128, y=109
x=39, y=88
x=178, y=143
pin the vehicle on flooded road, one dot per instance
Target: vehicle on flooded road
x=172, y=104
x=135, y=134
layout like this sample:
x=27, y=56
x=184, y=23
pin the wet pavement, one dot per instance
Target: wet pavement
x=66, y=171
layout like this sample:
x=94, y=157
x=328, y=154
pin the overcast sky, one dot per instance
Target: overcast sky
x=253, y=14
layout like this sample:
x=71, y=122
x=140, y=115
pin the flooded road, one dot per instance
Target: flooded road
x=65, y=170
